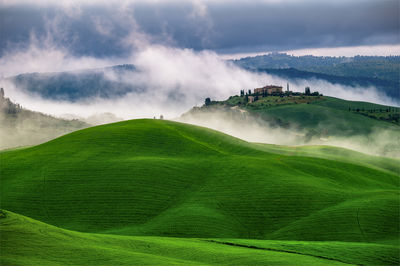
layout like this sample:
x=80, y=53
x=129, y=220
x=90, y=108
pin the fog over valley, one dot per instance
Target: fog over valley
x=132, y=67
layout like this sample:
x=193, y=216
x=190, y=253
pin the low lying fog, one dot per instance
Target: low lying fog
x=240, y=124
x=174, y=79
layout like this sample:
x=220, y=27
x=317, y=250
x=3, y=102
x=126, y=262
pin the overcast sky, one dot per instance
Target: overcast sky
x=115, y=28
x=178, y=46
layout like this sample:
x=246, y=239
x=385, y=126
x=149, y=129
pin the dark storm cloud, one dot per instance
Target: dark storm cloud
x=306, y=25
x=225, y=26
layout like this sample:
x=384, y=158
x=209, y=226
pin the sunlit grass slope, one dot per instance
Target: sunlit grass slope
x=161, y=178
x=334, y=153
x=325, y=116
x=25, y=241
x=330, y=115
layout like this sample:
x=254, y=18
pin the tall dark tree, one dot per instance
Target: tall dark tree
x=207, y=102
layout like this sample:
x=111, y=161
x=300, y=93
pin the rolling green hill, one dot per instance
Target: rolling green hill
x=150, y=177
x=312, y=111
x=25, y=241
x=311, y=119
x=168, y=179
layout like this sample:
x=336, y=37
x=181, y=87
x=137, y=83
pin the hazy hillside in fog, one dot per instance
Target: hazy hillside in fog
x=22, y=127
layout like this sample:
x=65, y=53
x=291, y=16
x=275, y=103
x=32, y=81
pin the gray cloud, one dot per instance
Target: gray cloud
x=96, y=29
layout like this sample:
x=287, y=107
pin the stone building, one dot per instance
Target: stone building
x=271, y=89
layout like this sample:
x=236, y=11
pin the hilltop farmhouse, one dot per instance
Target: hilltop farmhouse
x=269, y=90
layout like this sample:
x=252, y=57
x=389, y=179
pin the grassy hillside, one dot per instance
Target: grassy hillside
x=324, y=118
x=22, y=127
x=309, y=120
x=310, y=111
x=25, y=241
x=334, y=153
x=161, y=178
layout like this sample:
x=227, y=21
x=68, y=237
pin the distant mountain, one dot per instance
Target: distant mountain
x=381, y=67
x=117, y=81
x=77, y=85
x=386, y=87
x=378, y=71
x=22, y=127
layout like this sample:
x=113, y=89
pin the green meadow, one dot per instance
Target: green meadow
x=161, y=192
x=303, y=119
x=334, y=116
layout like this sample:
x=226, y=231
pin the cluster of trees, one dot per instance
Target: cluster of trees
x=242, y=93
x=307, y=92
x=7, y=106
x=247, y=94
x=389, y=114
x=380, y=110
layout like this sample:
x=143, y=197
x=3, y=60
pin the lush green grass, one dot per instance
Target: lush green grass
x=330, y=117
x=348, y=252
x=313, y=119
x=151, y=177
x=319, y=116
x=329, y=114
x=371, y=110
x=165, y=179
x=25, y=241
x=334, y=153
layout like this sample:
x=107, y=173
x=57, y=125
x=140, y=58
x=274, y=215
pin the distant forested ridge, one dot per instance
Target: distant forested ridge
x=117, y=81
x=381, y=72
x=77, y=85
x=23, y=127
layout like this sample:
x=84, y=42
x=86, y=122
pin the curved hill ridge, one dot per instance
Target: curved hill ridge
x=153, y=177
x=40, y=243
